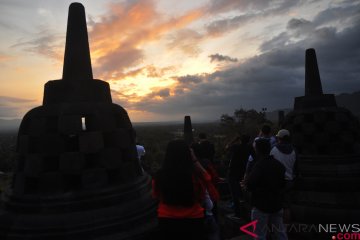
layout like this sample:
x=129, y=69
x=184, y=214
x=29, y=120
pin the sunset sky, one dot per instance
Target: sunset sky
x=169, y=58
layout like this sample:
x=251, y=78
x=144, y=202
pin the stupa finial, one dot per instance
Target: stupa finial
x=188, y=130
x=77, y=62
x=312, y=77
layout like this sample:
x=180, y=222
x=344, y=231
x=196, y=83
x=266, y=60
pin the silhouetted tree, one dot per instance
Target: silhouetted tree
x=244, y=121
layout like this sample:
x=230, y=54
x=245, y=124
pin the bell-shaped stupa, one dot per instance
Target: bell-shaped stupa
x=77, y=174
x=327, y=138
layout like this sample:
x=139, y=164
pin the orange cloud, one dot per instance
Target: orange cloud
x=118, y=41
x=5, y=57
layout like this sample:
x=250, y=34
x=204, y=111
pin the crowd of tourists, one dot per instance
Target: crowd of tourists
x=186, y=185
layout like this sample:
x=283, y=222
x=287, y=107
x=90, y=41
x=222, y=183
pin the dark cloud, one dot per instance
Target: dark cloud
x=271, y=79
x=221, y=58
x=275, y=42
x=249, y=11
x=45, y=43
x=298, y=24
x=163, y=93
x=342, y=14
x=217, y=6
x=190, y=79
x=11, y=107
x=219, y=27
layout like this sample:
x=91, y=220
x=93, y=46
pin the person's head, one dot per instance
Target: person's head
x=245, y=139
x=177, y=156
x=266, y=130
x=283, y=136
x=174, y=179
x=262, y=147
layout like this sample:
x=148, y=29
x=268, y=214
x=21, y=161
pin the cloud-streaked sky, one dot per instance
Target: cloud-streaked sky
x=168, y=58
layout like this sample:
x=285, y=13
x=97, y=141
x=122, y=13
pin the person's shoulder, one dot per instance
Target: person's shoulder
x=140, y=147
x=274, y=149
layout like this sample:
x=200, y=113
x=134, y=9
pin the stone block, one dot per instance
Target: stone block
x=51, y=163
x=78, y=108
x=111, y=158
x=129, y=154
x=333, y=127
x=94, y=178
x=320, y=117
x=31, y=185
x=92, y=160
x=108, y=122
x=52, y=143
x=115, y=176
x=72, y=162
x=18, y=183
x=20, y=163
x=35, y=144
x=50, y=182
x=71, y=143
x=72, y=182
x=118, y=138
x=33, y=165
x=51, y=124
x=23, y=144
x=129, y=171
x=70, y=124
x=90, y=142
x=308, y=128
x=36, y=127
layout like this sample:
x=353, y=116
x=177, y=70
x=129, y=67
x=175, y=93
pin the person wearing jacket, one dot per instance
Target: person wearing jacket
x=285, y=153
x=266, y=182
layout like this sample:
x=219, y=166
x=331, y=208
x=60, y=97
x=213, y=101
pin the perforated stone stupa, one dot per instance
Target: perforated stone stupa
x=77, y=174
x=327, y=139
x=317, y=124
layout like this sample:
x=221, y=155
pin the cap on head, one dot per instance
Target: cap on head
x=283, y=133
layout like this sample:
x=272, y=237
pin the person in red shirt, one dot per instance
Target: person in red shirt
x=180, y=187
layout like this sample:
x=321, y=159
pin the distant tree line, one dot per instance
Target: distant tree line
x=155, y=137
x=244, y=121
x=7, y=151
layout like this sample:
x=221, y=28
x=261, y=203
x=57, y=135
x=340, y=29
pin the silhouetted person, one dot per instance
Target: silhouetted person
x=266, y=183
x=205, y=151
x=265, y=133
x=240, y=153
x=180, y=185
x=285, y=153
